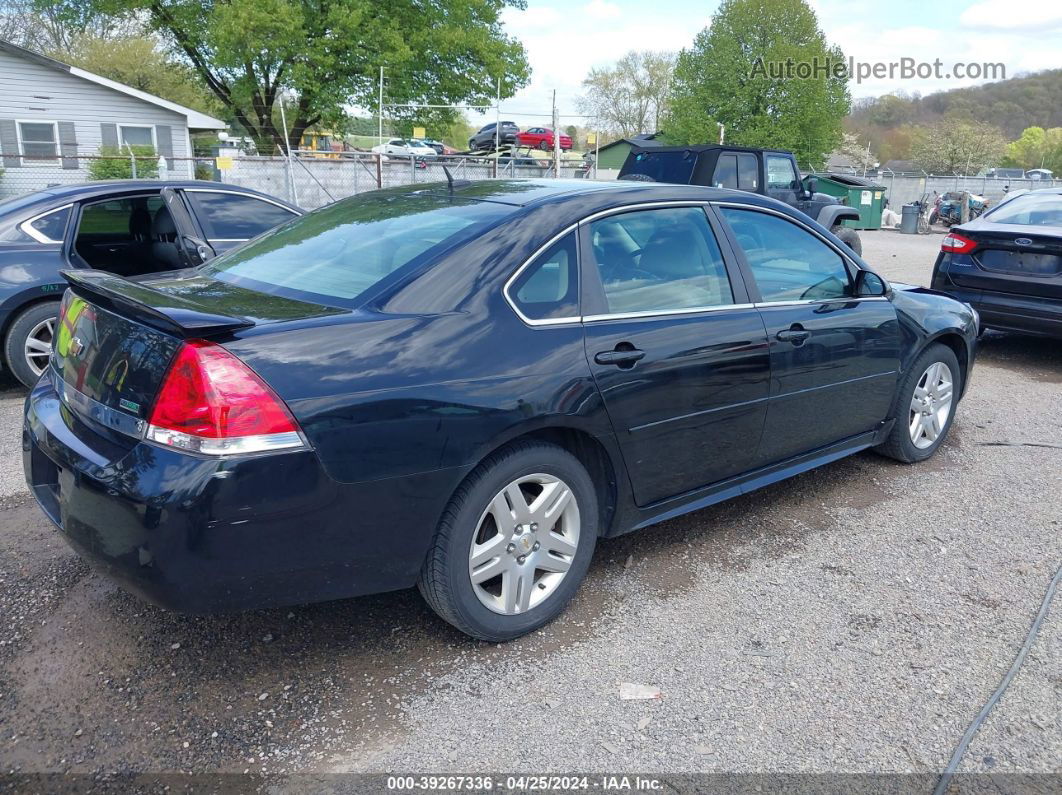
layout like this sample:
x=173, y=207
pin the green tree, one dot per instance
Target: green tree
x=956, y=145
x=48, y=25
x=139, y=61
x=1037, y=148
x=746, y=71
x=325, y=56
x=629, y=97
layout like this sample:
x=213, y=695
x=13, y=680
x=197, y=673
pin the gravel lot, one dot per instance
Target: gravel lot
x=855, y=618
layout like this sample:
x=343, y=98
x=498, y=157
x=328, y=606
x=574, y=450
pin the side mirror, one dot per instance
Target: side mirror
x=812, y=184
x=868, y=284
x=198, y=251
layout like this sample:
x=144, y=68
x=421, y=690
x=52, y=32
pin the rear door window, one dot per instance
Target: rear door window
x=737, y=171
x=659, y=260
x=232, y=216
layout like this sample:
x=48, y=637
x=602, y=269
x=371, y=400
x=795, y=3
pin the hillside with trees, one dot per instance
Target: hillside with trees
x=898, y=124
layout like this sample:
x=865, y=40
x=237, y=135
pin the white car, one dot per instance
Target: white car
x=405, y=148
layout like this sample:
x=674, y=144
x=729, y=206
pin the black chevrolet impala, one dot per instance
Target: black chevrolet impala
x=462, y=387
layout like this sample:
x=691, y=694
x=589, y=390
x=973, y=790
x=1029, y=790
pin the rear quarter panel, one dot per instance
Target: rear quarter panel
x=28, y=273
x=437, y=373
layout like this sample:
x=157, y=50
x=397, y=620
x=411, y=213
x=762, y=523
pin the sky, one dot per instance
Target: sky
x=564, y=39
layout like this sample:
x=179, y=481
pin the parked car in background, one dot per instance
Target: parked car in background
x=126, y=227
x=463, y=386
x=438, y=146
x=485, y=138
x=1007, y=264
x=542, y=138
x=404, y=147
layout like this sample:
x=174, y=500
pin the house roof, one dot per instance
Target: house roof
x=638, y=140
x=196, y=120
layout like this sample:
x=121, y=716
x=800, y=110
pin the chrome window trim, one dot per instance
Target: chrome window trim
x=27, y=225
x=805, y=302
x=650, y=313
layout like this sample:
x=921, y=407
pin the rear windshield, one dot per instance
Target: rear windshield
x=336, y=254
x=676, y=167
x=1032, y=209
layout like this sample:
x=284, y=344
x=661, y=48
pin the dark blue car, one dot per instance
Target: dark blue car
x=463, y=386
x=126, y=227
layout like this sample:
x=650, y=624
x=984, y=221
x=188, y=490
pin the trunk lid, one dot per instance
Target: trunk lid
x=1009, y=258
x=116, y=338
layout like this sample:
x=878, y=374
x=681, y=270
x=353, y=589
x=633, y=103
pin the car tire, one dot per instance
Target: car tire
x=543, y=145
x=513, y=596
x=901, y=443
x=31, y=322
x=849, y=237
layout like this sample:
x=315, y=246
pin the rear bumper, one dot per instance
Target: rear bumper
x=1011, y=312
x=201, y=535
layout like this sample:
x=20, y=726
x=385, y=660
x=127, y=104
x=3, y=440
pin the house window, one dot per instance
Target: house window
x=39, y=141
x=136, y=135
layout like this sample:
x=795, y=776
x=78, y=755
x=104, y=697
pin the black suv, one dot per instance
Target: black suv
x=768, y=172
x=485, y=138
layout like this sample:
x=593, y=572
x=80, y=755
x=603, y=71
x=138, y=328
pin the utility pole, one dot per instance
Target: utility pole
x=722, y=131
x=379, y=137
x=287, y=145
x=556, y=139
x=497, y=118
x=497, y=128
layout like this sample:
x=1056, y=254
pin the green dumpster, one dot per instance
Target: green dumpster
x=862, y=194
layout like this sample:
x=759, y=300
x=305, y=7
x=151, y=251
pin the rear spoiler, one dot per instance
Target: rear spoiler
x=164, y=311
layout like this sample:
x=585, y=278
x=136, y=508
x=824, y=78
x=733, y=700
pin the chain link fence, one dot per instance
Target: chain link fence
x=314, y=179
x=311, y=179
x=308, y=179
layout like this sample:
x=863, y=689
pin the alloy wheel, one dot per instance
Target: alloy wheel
x=524, y=544
x=38, y=346
x=931, y=405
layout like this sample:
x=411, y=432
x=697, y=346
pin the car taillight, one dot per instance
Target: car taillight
x=214, y=404
x=955, y=243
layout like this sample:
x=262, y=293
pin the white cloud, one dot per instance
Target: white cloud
x=1011, y=16
x=561, y=54
x=602, y=9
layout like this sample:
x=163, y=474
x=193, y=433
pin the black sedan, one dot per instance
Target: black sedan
x=127, y=227
x=1007, y=264
x=462, y=387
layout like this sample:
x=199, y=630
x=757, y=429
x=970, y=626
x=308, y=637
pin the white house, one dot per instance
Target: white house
x=53, y=116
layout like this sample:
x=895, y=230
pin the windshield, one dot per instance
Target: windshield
x=335, y=254
x=1030, y=209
